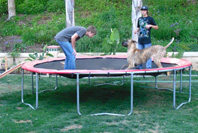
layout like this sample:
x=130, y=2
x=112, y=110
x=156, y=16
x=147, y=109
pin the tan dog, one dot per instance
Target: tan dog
x=136, y=56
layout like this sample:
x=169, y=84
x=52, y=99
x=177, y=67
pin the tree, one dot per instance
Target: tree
x=11, y=9
x=69, y=9
x=136, y=13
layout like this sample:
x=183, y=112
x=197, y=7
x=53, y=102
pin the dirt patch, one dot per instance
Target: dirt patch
x=71, y=127
x=23, y=121
x=192, y=1
x=85, y=14
x=124, y=122
x=7, y=45
x=8, y=42
x=34, y=48
x=156, y=130
x=44, y=19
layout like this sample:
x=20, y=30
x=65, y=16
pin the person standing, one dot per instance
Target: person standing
x=145, y=24
x=67, y=40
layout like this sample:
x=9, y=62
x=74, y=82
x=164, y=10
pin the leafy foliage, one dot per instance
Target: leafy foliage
x=3, y=7
x=41, y=56
x=55, y=6
x=175, y=19
x=31, y=7
x=109, y=45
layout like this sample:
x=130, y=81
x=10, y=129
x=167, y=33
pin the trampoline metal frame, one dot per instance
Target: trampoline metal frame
x=131, y=89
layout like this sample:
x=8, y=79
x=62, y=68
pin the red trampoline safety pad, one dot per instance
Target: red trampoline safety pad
x=30, y=66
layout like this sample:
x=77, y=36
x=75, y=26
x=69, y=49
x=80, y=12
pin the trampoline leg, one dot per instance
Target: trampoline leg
x=156, y=82
x=174, y=84
x=180, y=81
x=131, y=95
x=89, y=80
x=22, y=89
x=123, y=80
x=32, y=83
x=174, y=95
x=78, y=95
x=36, y=90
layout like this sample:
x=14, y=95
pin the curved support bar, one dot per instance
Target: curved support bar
x=174, y=92
x=51, y=89
x=48, y=90
x=22, y=88
x=28, y=105
x=97, y=114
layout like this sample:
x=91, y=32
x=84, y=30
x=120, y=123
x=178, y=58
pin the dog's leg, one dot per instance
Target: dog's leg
x=130, y=66
x=158, y=63
x=126, y=65
x=157, y=58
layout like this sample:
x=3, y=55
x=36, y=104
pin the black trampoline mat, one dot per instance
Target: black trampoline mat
x=95, y=64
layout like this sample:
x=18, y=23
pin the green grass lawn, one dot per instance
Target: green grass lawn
x=153, y=109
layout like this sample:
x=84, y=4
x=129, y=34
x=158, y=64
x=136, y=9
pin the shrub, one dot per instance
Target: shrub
x=41, y=56
x=29, y=36
x=43, y=36
x=31, y=7
x=110, y=44
x=56, y=6
x=3, y=7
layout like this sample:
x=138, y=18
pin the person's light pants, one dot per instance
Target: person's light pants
x=70, y=57
x=149, y=62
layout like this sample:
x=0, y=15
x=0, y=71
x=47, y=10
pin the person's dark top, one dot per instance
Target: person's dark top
x=66, y=34
x=144, y=34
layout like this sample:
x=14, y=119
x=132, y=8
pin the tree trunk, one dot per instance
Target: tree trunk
x=69, y=8
x=136, y=13
x=11, y=9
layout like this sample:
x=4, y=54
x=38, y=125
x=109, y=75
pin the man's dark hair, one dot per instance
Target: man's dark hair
x=92, y=29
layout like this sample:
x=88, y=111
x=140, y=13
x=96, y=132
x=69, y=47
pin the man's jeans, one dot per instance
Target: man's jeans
x=149, y=62
x=70, y=57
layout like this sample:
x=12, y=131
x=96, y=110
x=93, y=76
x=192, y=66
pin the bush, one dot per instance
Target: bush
x=3, y=7
x=29, y=36
x=31, y=7
x=44, y=36
x=56, y=6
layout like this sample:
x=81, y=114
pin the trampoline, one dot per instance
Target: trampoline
x=104, y=66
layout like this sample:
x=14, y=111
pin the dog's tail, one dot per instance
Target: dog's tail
x=169, y=43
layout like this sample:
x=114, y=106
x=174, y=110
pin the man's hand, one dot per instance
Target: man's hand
x=73, y=43
x=136, y=31
x=148, y=26
x=74, y=53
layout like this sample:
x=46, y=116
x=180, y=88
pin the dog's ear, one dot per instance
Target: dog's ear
x=125, y=43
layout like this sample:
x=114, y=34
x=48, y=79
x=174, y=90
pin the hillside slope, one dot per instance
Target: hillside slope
x=38, y=24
